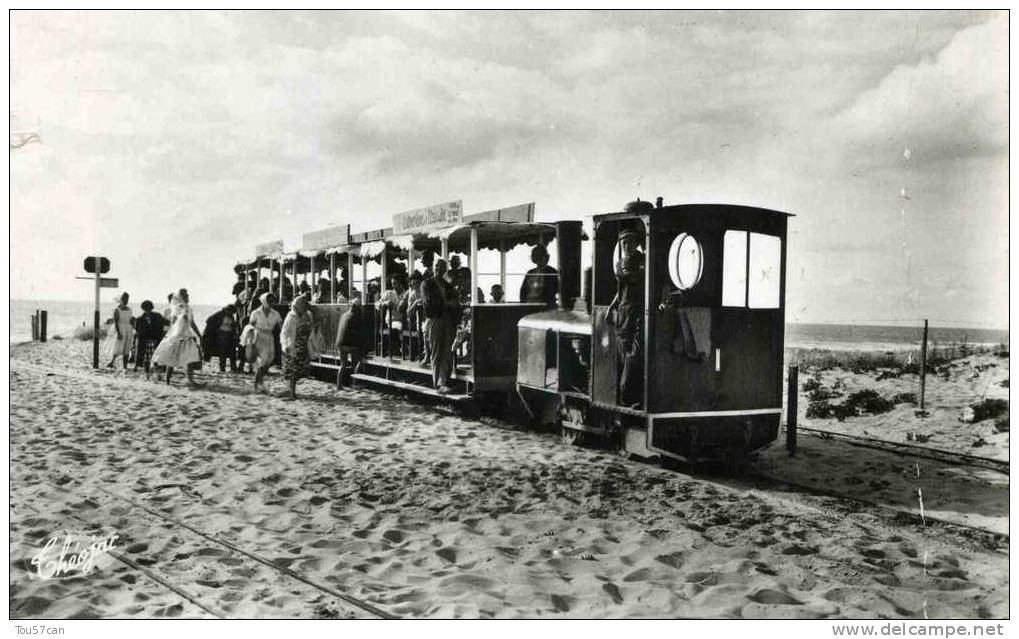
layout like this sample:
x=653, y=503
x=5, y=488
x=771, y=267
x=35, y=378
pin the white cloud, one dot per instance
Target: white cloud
x=196, y=135
x=953, y=105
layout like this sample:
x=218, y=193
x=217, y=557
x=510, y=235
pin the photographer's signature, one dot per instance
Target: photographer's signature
x=70, y=553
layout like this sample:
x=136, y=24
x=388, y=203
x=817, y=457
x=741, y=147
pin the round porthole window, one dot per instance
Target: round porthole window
x=686, y=261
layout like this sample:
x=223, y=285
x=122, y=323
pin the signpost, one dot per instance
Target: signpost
x=436, y=216
x=98, y=266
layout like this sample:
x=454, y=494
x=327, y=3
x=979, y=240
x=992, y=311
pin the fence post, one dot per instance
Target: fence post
x=35, y=326
x=923, y=365
x=42, y=326
x=792, y=409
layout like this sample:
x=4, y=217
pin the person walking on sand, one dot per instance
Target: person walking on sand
x=265, y=320
x=149, y=329
x=297, y=329
x=179, y=349
x=348, y=342
x=121, y=335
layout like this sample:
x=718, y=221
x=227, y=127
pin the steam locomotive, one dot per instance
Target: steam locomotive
x=697, y=374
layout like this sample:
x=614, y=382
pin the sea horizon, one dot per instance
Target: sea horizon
x=66, y=315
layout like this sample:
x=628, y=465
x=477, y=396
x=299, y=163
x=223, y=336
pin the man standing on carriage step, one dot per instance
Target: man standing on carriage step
x=628, y=320
x=442, y=308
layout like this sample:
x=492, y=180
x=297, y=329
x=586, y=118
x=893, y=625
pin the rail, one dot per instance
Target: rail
x=923, y=452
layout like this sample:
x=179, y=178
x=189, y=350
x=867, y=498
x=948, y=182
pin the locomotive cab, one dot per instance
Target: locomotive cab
x=709, y=350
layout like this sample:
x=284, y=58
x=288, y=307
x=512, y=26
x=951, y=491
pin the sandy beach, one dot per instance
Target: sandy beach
x=426, y=514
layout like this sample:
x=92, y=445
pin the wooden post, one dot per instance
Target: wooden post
x=95, y=323
x=502, y=267
x=364, y=280
x=42, y=326
x=35, y=326
x=410, y=261
x=473, y=259
x=384, y=279
x=792, y=409
x=312, y=268
x=332, y=278
x=445, y=248
x=923, y=365
x=350, y=276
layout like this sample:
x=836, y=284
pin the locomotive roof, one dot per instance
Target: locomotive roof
x=747, y=213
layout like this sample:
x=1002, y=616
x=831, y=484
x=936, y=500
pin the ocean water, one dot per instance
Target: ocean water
x=885, y=338
x=64, y=317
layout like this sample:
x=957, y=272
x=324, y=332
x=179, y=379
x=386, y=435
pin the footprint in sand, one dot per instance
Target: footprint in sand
x=561, y=603
x=613, y=591
x=673, y=560
x=774, y=597
x=642, y=574
x=394, y=536
x=798, y=549
x=448, y=554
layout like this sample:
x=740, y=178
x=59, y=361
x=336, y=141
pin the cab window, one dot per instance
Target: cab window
x=751, y=270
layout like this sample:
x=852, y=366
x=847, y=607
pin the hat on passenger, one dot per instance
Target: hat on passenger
x=628, y=233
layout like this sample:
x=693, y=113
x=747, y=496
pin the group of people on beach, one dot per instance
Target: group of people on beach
x=165, y=340
x=172, y=340
x=250, y=333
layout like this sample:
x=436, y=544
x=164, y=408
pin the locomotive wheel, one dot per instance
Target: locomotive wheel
x=570, y=437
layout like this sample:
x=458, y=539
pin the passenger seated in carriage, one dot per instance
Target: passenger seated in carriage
x=322, y=291
x=497, y=294
x=541, y=282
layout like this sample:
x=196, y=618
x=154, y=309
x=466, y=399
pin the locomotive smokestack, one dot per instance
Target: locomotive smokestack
x=568, y=234
x=658, y=202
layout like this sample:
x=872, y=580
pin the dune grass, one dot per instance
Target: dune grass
x=901, y=361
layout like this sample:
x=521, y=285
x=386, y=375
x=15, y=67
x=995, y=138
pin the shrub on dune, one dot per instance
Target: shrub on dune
x=86, y=333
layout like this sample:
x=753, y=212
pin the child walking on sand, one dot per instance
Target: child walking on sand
x=149, y=329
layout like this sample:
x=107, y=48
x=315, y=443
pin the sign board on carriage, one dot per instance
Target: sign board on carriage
x=268, y=248
x=518, y=213
x=437, y=216
x=326, y=238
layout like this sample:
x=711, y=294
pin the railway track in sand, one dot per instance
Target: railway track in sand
x=355, y=607
x=908, y=452
x=911, y=450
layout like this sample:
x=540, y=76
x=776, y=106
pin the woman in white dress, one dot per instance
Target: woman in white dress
x=121, y=335
x=265, y=320
x=179, y=348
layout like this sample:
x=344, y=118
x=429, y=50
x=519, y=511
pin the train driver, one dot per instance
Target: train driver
x=626, y=315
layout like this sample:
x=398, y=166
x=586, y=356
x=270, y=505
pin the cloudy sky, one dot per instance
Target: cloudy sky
x=174, y=142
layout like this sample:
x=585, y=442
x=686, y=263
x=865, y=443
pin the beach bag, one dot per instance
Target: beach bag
x=316, y=343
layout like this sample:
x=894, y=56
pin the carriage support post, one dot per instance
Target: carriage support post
x=792, y=410
x=474, y=264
